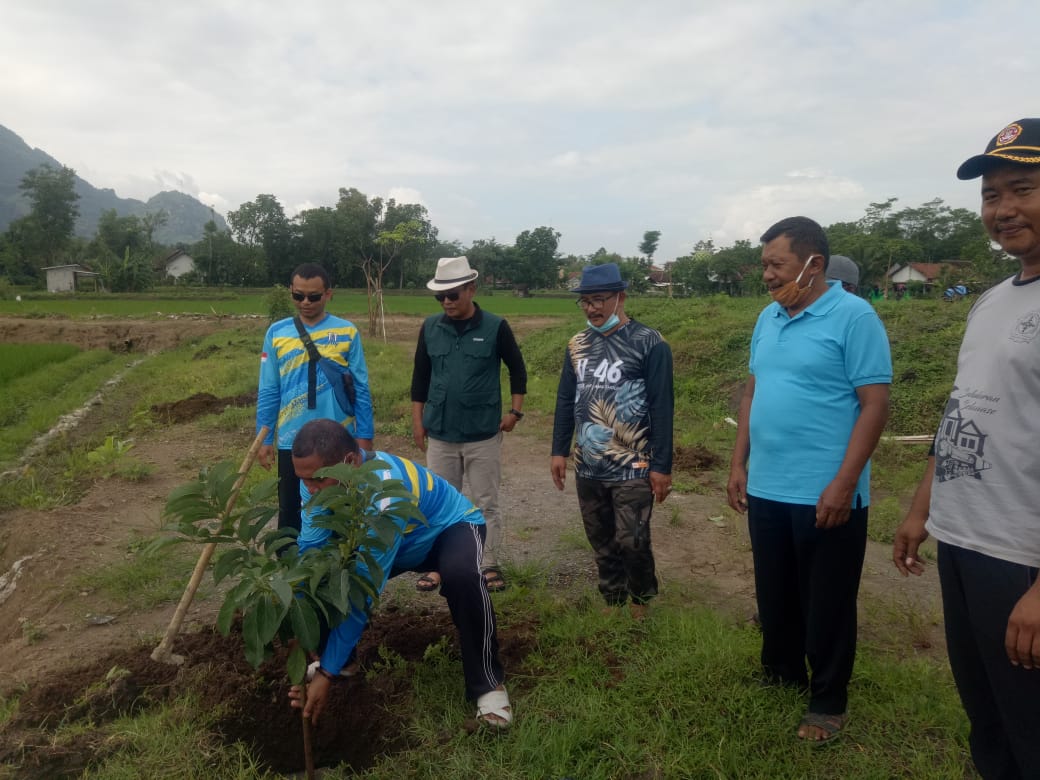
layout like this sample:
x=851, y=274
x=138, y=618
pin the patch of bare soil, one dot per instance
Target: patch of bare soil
x=128, y=680
x=59, y=641
x=117, y=335
x=198, y=405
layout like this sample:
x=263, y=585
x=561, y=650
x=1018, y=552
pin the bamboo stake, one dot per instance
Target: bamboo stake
x=162, y=652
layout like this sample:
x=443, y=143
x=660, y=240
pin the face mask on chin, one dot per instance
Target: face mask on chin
x=611, y=322
x=791, y=294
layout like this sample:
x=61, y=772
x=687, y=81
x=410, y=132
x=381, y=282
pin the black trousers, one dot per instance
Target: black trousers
x=288, y=492
x=457, y=554
x=1002, y=701
x=806, y=583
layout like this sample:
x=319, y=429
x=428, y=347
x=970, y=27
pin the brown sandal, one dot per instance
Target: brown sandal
x=829, y=726
x=427, y=583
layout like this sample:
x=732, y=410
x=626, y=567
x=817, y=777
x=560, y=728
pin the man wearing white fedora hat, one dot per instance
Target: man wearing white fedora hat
x=457, y=399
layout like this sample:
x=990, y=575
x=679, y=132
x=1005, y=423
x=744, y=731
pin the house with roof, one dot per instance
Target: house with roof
x=70, y=278
x=924, y=273
x=176, y=264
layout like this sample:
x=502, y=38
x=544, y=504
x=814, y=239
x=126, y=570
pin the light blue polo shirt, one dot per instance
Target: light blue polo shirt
x=806, y=370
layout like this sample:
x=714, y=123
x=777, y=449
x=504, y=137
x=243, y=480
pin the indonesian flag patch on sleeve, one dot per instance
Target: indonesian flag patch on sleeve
x=263, y=357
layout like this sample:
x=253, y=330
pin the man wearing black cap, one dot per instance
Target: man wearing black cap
x=980, y=493
x=616, y=390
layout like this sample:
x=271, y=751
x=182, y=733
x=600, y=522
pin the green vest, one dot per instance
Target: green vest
x=465, y=399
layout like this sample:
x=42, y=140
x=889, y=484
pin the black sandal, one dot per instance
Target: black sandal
x=494, y=580
x=427, y=584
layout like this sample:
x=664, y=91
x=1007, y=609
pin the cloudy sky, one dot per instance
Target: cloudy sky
x=601, y=118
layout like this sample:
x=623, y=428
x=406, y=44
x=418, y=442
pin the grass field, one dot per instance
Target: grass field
x=709, y=339
x=350, y=303
x=686, y=705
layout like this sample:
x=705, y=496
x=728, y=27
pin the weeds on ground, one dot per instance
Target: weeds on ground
x=600, y=697
x=144, y=579
x=32, y=632
x=233, y=419
x=172, y=740
x=8, y=709
x=113, y=459
x=675, y=696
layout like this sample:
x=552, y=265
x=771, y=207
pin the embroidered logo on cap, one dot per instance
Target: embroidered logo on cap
x=1008, y=134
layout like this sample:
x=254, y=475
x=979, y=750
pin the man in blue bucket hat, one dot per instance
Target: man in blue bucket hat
x=616, y=392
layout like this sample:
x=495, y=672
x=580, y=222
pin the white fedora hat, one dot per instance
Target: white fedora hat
x=452, y=272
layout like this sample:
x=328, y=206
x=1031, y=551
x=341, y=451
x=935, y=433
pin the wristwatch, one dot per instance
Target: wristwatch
x=517, y=414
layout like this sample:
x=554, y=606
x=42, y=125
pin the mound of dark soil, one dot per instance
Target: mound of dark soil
x=361, y=722
x=695, y=459
x=197, y=405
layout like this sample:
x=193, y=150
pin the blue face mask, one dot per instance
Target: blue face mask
x=612, y=322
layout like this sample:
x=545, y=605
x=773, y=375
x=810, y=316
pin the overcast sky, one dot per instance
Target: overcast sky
x=602, y=119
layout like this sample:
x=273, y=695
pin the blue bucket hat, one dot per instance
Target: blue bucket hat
x=601, y=278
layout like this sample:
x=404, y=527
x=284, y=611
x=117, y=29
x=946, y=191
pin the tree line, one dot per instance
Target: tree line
x=883, y=239
x=368, y=242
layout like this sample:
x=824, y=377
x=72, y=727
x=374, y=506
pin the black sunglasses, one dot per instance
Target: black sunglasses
x=441, y=297
x=312, y=297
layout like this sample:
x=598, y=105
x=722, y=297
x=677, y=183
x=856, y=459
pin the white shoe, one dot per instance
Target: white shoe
x=493, y=709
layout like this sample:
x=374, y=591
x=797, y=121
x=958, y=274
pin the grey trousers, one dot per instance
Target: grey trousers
x=480, y=464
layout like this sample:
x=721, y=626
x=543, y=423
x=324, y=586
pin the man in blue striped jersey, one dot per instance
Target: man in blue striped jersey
x=450, y=542
x=292, y=389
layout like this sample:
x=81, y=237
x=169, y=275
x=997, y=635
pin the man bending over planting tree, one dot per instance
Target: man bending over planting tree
x=450, y=542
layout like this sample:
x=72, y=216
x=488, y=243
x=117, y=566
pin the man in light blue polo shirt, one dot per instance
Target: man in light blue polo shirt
x=812, y=413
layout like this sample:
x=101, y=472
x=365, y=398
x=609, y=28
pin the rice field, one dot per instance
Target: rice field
x=17, y=360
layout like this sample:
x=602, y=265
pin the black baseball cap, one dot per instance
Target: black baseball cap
x=1019, y=142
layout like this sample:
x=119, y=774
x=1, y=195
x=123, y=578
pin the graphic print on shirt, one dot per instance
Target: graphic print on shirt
x=1026, y=328
x=960, y=444
x=614, y=436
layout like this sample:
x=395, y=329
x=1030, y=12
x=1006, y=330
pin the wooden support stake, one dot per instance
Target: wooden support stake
x=308, y=748
x=162, y=652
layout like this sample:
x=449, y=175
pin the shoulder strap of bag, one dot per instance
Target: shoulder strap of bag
x=312, y=365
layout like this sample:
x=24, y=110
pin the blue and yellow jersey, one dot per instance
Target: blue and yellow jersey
x=281, y=398
x=440, y=503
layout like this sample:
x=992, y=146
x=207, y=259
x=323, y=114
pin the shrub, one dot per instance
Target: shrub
x=279, y=304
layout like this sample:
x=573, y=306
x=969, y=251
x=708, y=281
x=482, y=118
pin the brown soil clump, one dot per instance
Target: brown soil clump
x=195, y=406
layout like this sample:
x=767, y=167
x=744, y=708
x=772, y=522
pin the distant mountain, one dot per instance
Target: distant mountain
x=186, y=216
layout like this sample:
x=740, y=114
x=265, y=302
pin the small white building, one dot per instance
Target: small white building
x=926, y=273
x=69, y=278
x=177, y=264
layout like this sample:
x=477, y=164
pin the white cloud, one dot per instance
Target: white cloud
x=292, y=211
x=214, y=201
x=405, y=195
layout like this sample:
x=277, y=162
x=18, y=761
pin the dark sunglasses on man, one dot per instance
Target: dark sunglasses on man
x=312, y=297
x=451, y=296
